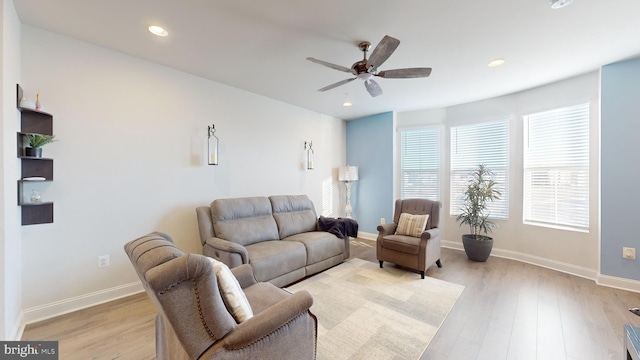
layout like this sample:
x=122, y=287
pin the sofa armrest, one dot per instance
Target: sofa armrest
x=226, y=251
x=205, y=225
x=387, y=229
x=269, y=320
x=244, y=274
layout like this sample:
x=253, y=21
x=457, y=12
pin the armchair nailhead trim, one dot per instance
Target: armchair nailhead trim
x=273, y=333
x=195, y=289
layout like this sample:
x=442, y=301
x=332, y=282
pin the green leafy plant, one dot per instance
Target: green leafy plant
x=480, y=189
x=36, y=141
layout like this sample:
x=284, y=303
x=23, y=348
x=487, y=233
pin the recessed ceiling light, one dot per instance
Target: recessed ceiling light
x=158, y=30
x=496, y=63
x=347, y=100
x=557, y=4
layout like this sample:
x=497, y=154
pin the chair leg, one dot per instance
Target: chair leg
x=438, y=263
x=380, y=264
x=422, y=274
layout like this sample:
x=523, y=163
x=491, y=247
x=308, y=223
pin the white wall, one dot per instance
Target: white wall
x=130, y=160
x=570, y=251
x=10, y=237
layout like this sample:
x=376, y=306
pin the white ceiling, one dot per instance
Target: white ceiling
x=261, y=46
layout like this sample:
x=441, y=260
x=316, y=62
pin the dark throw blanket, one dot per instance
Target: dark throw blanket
x=339, y=227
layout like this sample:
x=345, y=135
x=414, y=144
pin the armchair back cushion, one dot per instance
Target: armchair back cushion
x=294, y=214
x=418, y=207
x=244, y=221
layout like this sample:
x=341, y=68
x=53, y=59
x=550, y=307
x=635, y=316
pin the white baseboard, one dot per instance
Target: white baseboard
x=47, y=311
x=566, y=268
x=368, y=236
x=591, y=274
x=18, y=329
x=618, y=283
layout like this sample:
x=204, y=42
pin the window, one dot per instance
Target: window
x=556, y=167
x=420, y=164
x=484, y=143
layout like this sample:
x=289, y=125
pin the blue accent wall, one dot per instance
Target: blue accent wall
x=370, y=148
x=620, y=159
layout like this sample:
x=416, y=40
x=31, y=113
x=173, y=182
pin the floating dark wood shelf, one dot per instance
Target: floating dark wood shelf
x=33, y=122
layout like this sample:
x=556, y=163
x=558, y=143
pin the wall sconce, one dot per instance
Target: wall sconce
x=307, y=147
x=348, y=174
x=212, y=145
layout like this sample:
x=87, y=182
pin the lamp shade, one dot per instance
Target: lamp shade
x=348, y=173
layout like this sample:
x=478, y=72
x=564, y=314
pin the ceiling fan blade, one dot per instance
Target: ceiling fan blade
x=330, y=65
x=405, y=73
x=381, y=53
x=373, y=88
x=335, y=85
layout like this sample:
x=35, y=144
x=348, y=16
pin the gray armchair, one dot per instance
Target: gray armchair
x=417, y=253
x=193, y=321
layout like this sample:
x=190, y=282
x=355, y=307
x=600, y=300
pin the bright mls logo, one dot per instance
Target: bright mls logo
x=40, y=350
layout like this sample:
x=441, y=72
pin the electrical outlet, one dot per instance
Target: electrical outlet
x=629, y=253
x=103, y=261
x=382, y=221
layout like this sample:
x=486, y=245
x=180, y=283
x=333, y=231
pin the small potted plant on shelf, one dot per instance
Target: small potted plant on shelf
x=36, y=142
x=480, y=189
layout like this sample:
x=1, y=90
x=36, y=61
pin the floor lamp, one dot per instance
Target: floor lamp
x=348, y=174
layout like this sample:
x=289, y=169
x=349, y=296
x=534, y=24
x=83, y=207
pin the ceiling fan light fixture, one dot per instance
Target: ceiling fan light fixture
x=557, y=4
x=365, y=76
x=496, y=62
x=158, y=30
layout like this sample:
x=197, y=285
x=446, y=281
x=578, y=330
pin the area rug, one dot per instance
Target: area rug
x=365, y=312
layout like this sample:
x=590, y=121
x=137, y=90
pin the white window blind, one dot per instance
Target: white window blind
x=420, y=164
x=484, y=143
x=556, y=167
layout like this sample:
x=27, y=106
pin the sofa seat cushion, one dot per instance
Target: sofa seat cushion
x=402, y=243
x=263, y=295
x=271, y=259
x=320, y=245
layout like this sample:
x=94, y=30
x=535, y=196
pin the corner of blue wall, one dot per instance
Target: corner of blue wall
x=370, y=147
x=619, y=129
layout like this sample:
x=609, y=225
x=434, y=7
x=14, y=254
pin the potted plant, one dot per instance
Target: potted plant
x=480, y=189
x=36, y=142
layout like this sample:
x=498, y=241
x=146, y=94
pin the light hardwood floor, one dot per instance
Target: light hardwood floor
x=508, y=310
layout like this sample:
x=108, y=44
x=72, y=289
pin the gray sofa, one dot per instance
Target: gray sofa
x=278, y=235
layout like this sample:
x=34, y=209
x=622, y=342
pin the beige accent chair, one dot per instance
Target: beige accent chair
x=193, y=321
x=417, y=253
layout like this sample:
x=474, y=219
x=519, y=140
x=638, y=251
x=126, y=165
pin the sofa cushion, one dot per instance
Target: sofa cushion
x=231, y=292
x=244, y=221
x=320, y=245
x=293, y=214
x=271, y=259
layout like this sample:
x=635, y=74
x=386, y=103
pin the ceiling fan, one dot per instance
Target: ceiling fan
x=366, y=69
